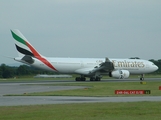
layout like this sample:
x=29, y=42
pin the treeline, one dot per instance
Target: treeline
x=23, y=70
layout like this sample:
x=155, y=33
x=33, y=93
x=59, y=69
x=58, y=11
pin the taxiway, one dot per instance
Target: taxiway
x=36, y=86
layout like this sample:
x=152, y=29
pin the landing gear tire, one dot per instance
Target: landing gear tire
x=80, y=79
x=83, y=79
x=142, y=77
x=77, y=79
x=92, y=79
x=95, y=79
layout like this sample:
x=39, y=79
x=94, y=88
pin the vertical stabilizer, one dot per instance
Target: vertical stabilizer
x=26, y=51
x=22, y=45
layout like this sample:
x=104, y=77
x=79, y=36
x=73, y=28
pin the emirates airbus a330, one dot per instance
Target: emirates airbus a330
x=93, y=68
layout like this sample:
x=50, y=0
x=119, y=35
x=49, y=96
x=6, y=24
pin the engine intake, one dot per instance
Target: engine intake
x=120, y=74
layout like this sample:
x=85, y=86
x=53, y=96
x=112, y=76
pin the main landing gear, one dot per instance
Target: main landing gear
x=80, y=79
x=91, y=79
x=95, y=79
x=142, y=77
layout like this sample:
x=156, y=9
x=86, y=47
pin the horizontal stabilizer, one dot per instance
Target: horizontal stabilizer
x=28, y=59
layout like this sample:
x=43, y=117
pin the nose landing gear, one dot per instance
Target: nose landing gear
x=142, y=77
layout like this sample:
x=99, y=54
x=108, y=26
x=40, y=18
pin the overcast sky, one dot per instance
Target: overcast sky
x=83, y=28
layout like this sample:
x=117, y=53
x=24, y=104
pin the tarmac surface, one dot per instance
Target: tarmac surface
x=37, y=86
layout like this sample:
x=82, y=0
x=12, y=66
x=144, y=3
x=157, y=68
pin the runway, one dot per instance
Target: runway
x=38, y=100
x=35, y=86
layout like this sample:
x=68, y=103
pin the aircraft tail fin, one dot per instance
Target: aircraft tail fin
x=26, y=51
x=23, y=46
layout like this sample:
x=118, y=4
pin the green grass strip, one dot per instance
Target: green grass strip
x=86, y=111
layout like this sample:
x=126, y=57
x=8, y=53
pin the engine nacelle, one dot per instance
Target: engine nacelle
x=120, y=74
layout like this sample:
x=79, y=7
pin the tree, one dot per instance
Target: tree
x=22, y=70
x=6, y=72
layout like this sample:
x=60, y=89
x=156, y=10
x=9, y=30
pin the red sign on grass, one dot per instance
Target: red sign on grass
x=131, y=92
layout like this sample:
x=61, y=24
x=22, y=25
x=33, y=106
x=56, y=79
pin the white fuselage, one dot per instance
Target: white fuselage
x=81, y=65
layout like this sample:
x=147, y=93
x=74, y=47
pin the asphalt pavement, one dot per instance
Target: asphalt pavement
x=37, y=86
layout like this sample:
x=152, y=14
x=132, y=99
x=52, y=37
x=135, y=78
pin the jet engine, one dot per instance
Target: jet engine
x=120, y=74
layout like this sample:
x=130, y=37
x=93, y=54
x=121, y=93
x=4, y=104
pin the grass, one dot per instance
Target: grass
x=102, y=89
x=85, y=111
x=90, y=111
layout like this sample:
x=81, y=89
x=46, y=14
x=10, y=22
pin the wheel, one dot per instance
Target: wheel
x=83, y=79
x=97, y=79
x=92, y=79
x=77, y=79
x=141, y=78
x=80, y=79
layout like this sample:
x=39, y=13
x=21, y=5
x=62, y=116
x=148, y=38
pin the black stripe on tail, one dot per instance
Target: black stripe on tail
x=24, y=51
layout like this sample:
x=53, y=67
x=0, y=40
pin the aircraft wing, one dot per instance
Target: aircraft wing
x=104, y=66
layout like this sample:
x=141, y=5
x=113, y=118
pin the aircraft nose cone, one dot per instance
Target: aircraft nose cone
x=156, y=67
